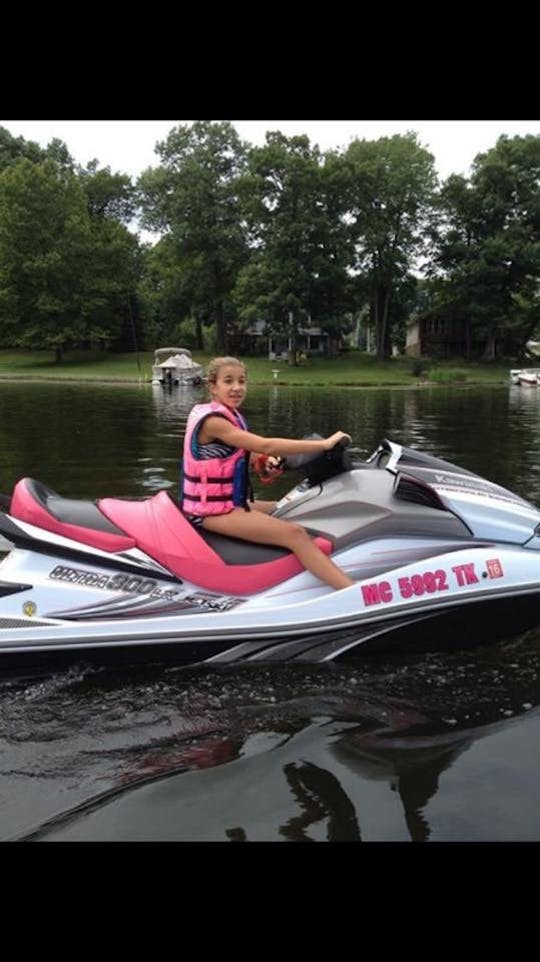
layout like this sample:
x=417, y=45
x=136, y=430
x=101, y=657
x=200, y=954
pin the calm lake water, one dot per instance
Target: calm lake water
x=438, y=747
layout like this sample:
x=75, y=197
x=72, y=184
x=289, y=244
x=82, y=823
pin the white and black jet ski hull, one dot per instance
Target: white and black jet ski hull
x=439, y=557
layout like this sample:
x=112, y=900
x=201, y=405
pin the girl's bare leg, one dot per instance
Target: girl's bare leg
x=265, y=506
x=263, y=529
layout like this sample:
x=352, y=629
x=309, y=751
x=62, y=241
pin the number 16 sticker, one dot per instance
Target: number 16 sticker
x=494, y=568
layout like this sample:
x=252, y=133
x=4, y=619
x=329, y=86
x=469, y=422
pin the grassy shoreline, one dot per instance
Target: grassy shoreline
x=353, y=369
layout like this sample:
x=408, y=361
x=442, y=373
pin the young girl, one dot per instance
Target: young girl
x=217, y=447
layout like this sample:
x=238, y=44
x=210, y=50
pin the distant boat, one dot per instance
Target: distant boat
x=527, y=377
x=174, y=366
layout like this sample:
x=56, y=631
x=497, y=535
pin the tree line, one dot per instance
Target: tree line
x=283, y=233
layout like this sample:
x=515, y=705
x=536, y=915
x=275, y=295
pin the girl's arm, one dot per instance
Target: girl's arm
x=218, y=428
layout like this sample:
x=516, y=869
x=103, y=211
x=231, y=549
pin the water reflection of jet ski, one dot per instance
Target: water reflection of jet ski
x=439, y=555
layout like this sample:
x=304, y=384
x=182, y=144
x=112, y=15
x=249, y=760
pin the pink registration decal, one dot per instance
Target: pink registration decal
x=494, y=568
x=429, y=582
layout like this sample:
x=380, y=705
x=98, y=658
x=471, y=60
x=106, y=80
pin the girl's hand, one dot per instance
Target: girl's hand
x=334, y=439
x=267, y=467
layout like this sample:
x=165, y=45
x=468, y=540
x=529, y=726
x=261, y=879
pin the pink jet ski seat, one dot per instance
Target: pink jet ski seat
x=34, y=503
x=161, y=531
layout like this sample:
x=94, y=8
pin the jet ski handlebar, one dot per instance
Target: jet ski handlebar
x=320, y=467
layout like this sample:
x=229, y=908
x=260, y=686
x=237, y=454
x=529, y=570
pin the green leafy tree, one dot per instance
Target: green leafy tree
x=44, y=235
x=115, y=263
x=63, y=273
x=296, y=272
x=488, y=246
x=390, y=196
x=109, y=196
x=332, y=300
x=165, y=294
x=12, y=149
x=192, y=199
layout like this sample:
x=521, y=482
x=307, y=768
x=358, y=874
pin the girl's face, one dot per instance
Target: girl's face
x=230, y=387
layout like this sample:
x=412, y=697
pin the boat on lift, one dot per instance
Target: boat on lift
x=175, y=366
x=526, y=377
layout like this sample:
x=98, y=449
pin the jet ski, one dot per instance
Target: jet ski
x=440, y=557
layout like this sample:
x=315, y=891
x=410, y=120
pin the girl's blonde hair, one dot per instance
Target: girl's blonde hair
x=216, y=363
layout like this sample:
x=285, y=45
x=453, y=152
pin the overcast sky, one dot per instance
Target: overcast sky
x=127, y=146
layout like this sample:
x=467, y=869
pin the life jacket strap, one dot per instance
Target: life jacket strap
x=197, y=478
x=209, y=497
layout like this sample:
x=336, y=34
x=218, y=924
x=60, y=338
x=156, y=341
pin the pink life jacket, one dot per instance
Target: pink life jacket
x=214, y=485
